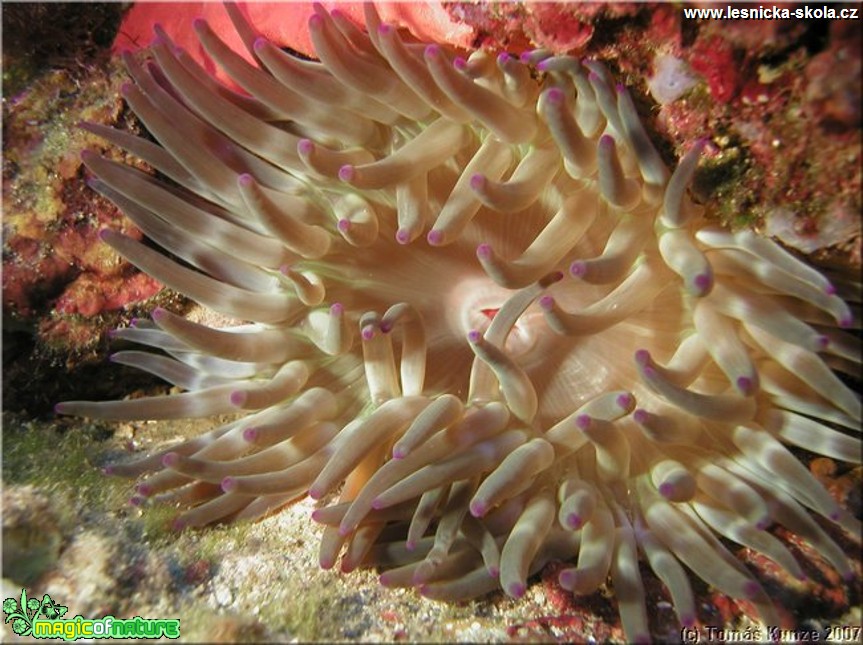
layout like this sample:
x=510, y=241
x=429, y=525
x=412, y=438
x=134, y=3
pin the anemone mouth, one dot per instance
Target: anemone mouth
x=488, y=326
x=472, y=304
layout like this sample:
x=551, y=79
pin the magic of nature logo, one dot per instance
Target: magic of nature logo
x=44, y=619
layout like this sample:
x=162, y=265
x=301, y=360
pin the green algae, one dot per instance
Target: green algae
x=59, y=463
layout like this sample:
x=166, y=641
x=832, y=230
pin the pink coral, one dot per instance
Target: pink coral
x=283, y=24
x=716, y=61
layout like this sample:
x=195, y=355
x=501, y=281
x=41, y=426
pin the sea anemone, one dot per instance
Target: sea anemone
x=477, y=315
